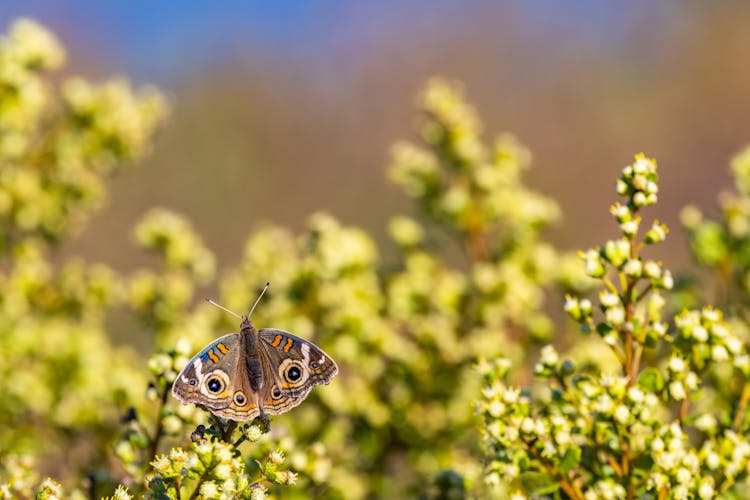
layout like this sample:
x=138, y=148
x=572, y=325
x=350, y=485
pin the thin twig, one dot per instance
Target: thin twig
x=683, y=411
x=630, y=361
x=610, y=286
x=618, y=353
x=240, y=440
x=643, y=292
x=197, y=489
x=476, y=244
x=637, y=360
x=154, y=440
x=741, y=406
x=613, y=463
x=570, y=488
x=227, y=435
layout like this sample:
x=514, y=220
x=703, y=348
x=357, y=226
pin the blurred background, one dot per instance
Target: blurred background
x=284, y=108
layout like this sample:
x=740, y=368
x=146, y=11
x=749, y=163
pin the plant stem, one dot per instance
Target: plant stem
x=741, y=406
x=197, y=489
x=629, y=303
x=154, y=441
x=645, y=291
x=476, y=244
x=683, y=411
x=626, y=468
x=637, y=360
x=229, y=430
x=629, y=357
x=610, y=286
x=631, y=365
x=615, y=466
x=570, y=488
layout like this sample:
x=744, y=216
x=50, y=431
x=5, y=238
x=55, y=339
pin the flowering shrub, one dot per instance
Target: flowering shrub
x=646, y=423
x=639, y=406
x=56, y=150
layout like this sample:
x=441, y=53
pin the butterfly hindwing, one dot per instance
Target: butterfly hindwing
x=291, y=368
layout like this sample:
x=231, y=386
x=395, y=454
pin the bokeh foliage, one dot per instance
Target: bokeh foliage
x=58, y=144
x=406, y=413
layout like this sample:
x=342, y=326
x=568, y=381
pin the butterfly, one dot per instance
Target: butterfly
x=243, y=375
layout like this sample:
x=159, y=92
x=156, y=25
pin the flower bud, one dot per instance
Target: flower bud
x=621, y=212
x=677, y=390
x=639, y=199
x=656, y=234
x=592, y=264
x=633, y=268
x=629, y=228
x=651, y=269
x=609, y=299
x=616, y=252
x=639, y=182
x=162, y=464
x=276, y=457
x=209, y=489
x=666, y=282
x=655, y=304
x=676, y=364
x=549, y=356
x=615, y=315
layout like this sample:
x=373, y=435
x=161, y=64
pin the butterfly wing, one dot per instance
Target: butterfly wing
x=291, y=368
x=217, y=379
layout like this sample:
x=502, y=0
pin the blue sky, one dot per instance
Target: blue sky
x=158, y=40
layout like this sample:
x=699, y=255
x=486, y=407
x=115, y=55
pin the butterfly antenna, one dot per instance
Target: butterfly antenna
x=258, y=299
x=222, y=308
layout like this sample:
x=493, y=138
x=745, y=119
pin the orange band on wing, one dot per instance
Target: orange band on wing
x=222, y=348
x=276, y=341
x=213, y=356
x=289, y=344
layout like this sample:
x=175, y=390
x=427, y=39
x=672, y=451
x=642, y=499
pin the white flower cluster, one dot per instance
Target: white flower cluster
x=706, y=338
x=606, y=489
x=638, y=182
x=685, y=472
x=222, y=473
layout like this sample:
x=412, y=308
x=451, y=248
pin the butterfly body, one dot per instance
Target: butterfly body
x=242, y=375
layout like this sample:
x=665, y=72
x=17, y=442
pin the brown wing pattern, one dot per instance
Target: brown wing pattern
x=292, y=367
x=216, y=378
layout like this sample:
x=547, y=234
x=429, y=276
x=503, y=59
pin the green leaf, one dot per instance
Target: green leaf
x=643, y=463
x=651, y=380
x=604, y=329
x=652, y=338
x=570, y=460
x=701, y=355
x=539, y=483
